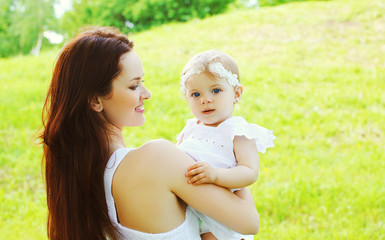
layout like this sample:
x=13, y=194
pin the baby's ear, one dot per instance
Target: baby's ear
x=238, y=92
x=95, y=104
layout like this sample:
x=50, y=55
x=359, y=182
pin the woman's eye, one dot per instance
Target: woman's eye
x=134, y=87
x=195, y=94
x=216, y=90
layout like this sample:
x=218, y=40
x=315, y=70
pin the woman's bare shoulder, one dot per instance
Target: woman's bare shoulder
x=157, y=145
x=157, y=155
x=157, y=148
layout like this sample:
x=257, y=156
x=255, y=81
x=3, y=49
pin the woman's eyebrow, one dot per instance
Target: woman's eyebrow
x=136, y=79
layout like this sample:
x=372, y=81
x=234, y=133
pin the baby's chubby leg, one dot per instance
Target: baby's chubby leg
x=208, y=236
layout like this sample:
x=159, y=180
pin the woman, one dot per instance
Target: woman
x=96, y=187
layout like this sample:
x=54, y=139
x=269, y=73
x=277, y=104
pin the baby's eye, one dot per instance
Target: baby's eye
x=195, y=94
x=216, y=90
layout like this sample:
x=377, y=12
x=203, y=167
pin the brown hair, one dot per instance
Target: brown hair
x=75, y=138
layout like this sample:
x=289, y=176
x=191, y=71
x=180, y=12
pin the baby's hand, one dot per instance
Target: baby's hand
x=201, y=172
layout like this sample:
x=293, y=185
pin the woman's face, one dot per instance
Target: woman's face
x=124, y=106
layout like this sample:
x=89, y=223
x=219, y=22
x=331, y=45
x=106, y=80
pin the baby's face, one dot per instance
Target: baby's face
x=211, y=99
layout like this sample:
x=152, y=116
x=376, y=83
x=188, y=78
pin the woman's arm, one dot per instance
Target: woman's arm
x=235, y=211
x=242, y=175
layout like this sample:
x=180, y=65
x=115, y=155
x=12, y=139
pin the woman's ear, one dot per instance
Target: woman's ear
x=238, y=93
x=96, y=104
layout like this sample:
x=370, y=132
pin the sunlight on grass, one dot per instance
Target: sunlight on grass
x=314, y=72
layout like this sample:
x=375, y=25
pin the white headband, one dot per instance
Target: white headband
x=215, y=67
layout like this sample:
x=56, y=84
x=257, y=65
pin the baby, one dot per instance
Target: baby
x=224, y=147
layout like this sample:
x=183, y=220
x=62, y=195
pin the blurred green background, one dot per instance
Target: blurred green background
x=27, y=26
x=313, y=71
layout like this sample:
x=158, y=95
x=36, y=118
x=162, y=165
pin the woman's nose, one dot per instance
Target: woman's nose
x=146, y=94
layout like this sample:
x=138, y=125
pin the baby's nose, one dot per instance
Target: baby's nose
x=205, y=99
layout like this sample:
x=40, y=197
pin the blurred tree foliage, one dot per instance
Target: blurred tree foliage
x=137, y=15
x=263, y=3
x=22, y=23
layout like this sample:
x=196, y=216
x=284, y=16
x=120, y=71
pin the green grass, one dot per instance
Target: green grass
x=314, y=72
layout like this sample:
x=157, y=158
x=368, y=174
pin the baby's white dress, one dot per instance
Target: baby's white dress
x=215, y=146
x=188, y=230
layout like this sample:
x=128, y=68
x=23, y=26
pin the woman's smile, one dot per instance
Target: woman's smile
x=139, y=109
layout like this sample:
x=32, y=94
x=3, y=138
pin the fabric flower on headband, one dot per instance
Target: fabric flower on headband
x=215, y=67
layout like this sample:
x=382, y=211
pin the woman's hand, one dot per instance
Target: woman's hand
x=201, y=172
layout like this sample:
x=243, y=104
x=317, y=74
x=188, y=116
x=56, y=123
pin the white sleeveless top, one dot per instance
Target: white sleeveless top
x=188, y=230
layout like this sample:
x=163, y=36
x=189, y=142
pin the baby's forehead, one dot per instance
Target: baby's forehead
x=206, y=80
x=206, y=76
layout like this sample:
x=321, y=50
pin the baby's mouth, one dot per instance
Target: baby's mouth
x=208, y=111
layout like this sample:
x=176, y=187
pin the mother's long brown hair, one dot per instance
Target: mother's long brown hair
x=75, y=138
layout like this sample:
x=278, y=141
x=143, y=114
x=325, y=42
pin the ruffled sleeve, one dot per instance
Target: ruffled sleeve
x=189, y=123
x=240, y=127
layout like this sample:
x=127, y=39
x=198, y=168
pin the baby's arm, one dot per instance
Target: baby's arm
x=242, y=175
x=247, y=169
